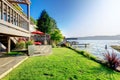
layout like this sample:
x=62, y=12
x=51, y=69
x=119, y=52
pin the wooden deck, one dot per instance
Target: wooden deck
x=84, y=44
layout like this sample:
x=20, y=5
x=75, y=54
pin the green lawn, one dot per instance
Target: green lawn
x=63, y=64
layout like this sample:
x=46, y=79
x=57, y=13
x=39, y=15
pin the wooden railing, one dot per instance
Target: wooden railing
x=9, y=14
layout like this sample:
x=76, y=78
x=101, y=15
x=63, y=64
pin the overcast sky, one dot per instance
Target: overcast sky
x=76, y=18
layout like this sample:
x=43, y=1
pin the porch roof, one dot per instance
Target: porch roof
x=20, y=1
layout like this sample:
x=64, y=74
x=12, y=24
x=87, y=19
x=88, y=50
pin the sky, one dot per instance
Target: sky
x=79, y=18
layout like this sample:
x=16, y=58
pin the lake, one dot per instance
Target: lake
x=97, y=47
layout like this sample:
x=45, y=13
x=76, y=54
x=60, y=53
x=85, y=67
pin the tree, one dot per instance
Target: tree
x=33, y=20
x=56, y=36
x=48, y=25
x=53, y=24
x=43, y=22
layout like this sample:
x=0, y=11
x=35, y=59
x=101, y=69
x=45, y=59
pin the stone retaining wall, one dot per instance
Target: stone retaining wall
x=34, y=50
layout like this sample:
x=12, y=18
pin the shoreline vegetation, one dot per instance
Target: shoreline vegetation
x=111, y=60
x=116, y=47
x=63, y=64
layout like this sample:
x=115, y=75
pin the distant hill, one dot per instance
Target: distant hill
x=117, y=37
x=71, y=38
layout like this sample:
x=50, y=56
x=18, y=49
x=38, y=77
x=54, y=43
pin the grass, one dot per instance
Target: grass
x=63, y=64
x=14, y=53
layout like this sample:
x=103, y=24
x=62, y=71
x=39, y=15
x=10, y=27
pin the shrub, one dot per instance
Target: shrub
x=112, y=60
x=20, y=45
x=54, y=45
x=93, y=58
x=15, y=53
x=22, y=39
x=81, y=52
x=86, y=54
x=63, y=45
x=68, y=44
x=30, y=42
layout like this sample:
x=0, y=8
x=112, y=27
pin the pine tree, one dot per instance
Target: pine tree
x=48, y=25
x=43, y=22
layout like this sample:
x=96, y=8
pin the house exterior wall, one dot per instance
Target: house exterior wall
x=12, y=22
x=32, y=27
x=12, y=30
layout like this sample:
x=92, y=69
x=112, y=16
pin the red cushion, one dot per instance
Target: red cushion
x=37, y=43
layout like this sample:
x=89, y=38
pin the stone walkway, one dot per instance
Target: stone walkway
x=7, y=64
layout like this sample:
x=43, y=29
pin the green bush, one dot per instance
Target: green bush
x=93, y=58
x=15, y=53
x=30, y=42
x=63, y=45
x=54, y=45
x=20, y=45
x=67, y=44
x=84, y=53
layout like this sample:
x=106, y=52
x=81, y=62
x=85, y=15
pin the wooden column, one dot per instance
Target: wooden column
x=9, y=44
x=10, y=14
x=6, y=13
x=28, y=15
x=2, y=9
x=13, y=16
x=17, y=20
x=28, y=11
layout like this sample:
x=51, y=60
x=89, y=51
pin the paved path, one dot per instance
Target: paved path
x=7, y=64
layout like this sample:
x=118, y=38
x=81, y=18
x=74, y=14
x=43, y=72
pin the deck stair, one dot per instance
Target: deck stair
x=3, y=40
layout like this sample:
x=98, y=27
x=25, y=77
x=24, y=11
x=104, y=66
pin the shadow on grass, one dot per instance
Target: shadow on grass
x=105, y=71
x=48, y=75
x=74, y=77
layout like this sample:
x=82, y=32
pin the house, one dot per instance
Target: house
x=33, y=27
x=13, y=21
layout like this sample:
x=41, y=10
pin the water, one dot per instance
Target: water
x=97, y=47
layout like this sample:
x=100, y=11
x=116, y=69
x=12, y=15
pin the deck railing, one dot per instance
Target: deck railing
x=9, y=14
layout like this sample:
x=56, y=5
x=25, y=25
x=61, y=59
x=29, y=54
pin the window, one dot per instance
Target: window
x=8, y=19
x=11, y=15
x=5, y=12
x=14, y=18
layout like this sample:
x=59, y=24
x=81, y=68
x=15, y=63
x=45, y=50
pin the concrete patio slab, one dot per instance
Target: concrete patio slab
x=7, y=64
